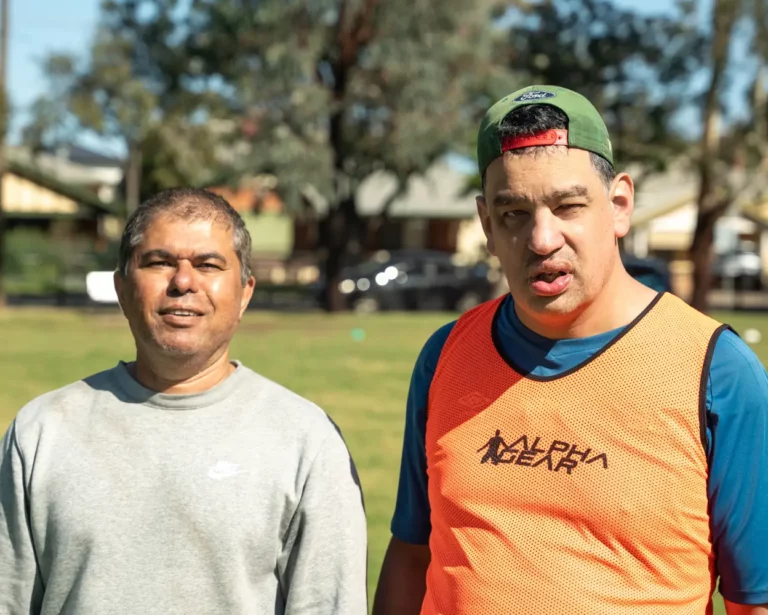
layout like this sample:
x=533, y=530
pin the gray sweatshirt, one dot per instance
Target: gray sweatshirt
x=116, y=500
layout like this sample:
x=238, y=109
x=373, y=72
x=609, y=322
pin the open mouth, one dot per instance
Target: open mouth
x=551, y=283
x=549, y=277
x=180, y=313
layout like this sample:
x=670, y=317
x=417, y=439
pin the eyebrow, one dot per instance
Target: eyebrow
x=156, y=254
x=211, y=256
x=510, y=198
x=568, y=193
x=164, y=254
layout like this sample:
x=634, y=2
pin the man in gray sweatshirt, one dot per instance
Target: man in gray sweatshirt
x=181, y=482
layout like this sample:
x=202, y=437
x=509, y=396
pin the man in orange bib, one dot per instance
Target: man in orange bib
x=583, y=445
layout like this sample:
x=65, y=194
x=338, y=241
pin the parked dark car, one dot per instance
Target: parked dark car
x=415, y=280
x=427, y=280
x=652, y=272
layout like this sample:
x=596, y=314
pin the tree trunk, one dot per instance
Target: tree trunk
x=338, y=231
x=704, y=234
x=336, y=228
x=701, y=254
x=725, y=14
x=354, y=32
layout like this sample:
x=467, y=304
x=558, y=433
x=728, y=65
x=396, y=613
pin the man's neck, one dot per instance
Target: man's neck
x=615, y=308
x=181, y=378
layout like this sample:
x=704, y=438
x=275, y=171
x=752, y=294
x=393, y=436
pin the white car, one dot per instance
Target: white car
x=745, y=266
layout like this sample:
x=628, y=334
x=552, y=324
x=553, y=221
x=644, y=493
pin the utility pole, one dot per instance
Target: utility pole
x=3, y=132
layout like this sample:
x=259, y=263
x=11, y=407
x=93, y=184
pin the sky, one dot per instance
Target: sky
x=40, y=27
x=36, y=29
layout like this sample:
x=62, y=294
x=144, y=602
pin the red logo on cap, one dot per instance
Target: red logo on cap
x=548, y=137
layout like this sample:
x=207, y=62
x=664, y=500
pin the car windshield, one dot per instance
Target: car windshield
x=366, y=268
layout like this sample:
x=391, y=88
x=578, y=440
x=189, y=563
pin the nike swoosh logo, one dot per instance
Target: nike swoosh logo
x=221, y=475
x=223, y=470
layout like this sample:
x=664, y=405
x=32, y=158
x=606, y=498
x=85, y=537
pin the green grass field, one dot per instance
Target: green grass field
x=360, y=380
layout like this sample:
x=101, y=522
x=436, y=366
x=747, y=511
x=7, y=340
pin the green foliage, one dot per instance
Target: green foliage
x=635, y=68
x=320, y=93
x=331, y=91
x=129, y=87
x=49, y=125
x=36, y=264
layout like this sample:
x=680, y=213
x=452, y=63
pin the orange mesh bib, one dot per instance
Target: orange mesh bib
x=580, y=494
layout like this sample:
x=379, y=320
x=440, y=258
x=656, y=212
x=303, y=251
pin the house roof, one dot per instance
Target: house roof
x=662, y=194
x=81, y=195
x=644, y=216
x=248, y=197
x=440, y=193
x=758, y=213
x=87, y=157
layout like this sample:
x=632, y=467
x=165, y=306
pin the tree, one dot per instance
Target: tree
x=639, y=71
x=635, y=68
x=334, y=90
x=711, y=203
x=732, y=164
x=320, y=93
x=129, y=88
x=49, y=125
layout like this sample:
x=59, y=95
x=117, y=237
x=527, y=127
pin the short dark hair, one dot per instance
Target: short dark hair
x=530, y=120
x=186, y=204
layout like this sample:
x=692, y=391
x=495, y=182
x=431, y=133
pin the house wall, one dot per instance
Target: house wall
x=271, y=234
x=443, y=235
x=454, y=235
x=305, y=235
x=764, y=254
x=471, y=242
x=415, y=234
x=23, y=196
x=669, y=237
x=673, y=232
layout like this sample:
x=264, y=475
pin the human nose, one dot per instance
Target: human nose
x=184, y=279
x=546, y=235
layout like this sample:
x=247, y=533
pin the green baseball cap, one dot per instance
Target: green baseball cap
x=586, y=129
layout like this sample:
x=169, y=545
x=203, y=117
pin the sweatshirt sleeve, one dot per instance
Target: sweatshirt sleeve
x=323, y=565
x=20, y=585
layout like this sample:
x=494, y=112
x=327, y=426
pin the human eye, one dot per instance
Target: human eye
x=571, y=207
x=512, y=214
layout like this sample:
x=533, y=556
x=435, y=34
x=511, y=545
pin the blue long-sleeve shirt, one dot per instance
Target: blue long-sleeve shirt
x=737, y=444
